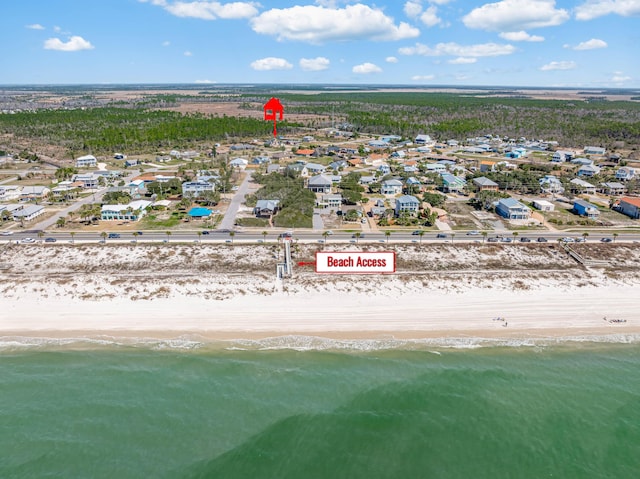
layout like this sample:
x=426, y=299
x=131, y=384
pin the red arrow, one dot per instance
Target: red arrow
x=306, y=263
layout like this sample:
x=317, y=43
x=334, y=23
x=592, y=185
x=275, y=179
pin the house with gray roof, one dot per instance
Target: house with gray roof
x=588, y=170
x=407, y=204
x=512, y=209
x=391, y=187
x=28, y=213
x=485, y=184
x=320, y=184
x=612, y=188
x=266, y=208
x=581, y=186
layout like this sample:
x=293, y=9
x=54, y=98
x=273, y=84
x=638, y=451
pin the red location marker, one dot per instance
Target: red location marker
x=272, y=109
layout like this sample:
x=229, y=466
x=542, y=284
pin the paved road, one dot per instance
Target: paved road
x=229, y=220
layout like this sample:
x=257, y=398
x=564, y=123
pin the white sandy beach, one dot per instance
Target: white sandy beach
x=75, y=292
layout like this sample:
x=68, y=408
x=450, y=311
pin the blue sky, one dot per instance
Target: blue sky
x=544, y=43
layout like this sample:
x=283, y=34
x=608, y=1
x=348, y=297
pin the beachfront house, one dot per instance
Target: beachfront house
x=630, y=206
x=485, y=184
x=588, y=170
x=512, y=209
x=581, y=186
x=28, y=213
x=195, y=189
x=333, y=201
x=131, y=212
x=584, y=208
x=612, y=188
x=407, y=204
x=266, y=208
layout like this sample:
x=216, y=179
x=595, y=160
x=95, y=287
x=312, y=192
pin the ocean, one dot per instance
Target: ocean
x=355, y=409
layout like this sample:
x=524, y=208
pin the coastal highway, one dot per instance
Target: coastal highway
x=224, y=236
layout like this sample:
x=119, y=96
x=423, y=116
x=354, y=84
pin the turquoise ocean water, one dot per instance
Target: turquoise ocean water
x=360, y=410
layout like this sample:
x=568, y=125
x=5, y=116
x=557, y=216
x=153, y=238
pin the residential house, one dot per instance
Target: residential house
x=273, y=169
x=551, y=184
x=594, y=150
x=435, y=168
x=625, y=173
x=580, y=186
x=584, y=208
x=485, y=184
x=132, y=162
x=330, y=201
x=423, y=140
x=240, y=163
x=64, y=189
x=88, y=180
x=582, y=161
x=543, y=205
x=197, y=188
x=304, y=152
x=260, y=160
x=34, y=193
x=28, y=213
x=198, y=213
x=367, y=180
x=407, y=204
x=452, y=184
x=299, y=168
x=384, y=169
x=378, y=144
x=131, y=212
x=399, y=154
x=86, y=161
x=561, y=156
x=338, y=165
x=630, y=206
x=512, y=209
x=10, y=192
x=588, y=170
x=413, y=184
x=516, y=153
x=320, y=184
x=612, y=188
x=487, y=165
x=266, y=208
x=315, y=168
x=391, y=187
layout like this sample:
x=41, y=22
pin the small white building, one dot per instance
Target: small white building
x=543, y=205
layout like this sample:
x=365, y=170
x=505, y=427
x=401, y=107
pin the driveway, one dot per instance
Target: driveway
x=229, y=219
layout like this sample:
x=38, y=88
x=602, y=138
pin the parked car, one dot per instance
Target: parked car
x=568, y=239
x=506, y=239
x=606, y=240
x=473, y=233
x=441, y=235
x=416, y=232
x=28, y=240
x=6, y=233
x=50, y=240
x=493, y=240
x=113, y=235
x=541, y=240
x=525, y=240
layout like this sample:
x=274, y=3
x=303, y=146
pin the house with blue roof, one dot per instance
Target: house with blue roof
x=199, y=213
x=584, y=208
x=407, y=204
x=512, y=209
x=453, y=184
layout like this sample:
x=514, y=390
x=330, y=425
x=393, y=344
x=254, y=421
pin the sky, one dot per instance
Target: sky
x=537, y=43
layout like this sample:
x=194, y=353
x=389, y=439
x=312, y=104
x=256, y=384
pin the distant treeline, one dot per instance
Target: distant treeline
x=105, y=130
x=445, y=116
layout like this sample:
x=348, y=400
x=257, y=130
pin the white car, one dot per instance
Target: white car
x=6, y=233
x=568, y=240
x=28, y=240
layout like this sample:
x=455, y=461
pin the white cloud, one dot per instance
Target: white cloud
x=188, y=54
x=564, y=65
x=205, y=82
x=166, y=43
x=34, y=26
x=317, y=24
x=314, y=64
x=453, y=49
x=271, y=63
x=366, y=68
x=391, y=60
x=430, y=17
x=208, y=10
x=592, y=44
x=620, y=77
x=422, y=77
x=57, y=29
x=74, y=44
x=521, y=36
x=514, y=15
x=598, y=8
x=462, y=60
x=412, y=8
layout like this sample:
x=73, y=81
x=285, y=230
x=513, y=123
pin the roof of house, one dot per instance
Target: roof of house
x=584, y=204
x=613, y=185
x=511, y=203
x=267, y=204
x=483, y=181
x=392, y=183
x=631, y=201
x=579, y=182
x=27, y=210
x=408, y=199
x=320, y=180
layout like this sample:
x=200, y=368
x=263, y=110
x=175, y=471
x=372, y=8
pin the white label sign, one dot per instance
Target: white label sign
x=355, y=262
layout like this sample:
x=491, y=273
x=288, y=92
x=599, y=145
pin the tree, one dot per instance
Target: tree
x=484, y=236
x=515, y=235
x=421, y=234
x=103, y=235
x=135, y=236
x=40, y=234
x=357, y=235
x=452, y=236
x=585, y=235
x=615, y=235
x=231, y=235
x=199, y=233
x=168, y=233
x=325, y=234
x=387, y=235
x=72, y=233
x=264, y=236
